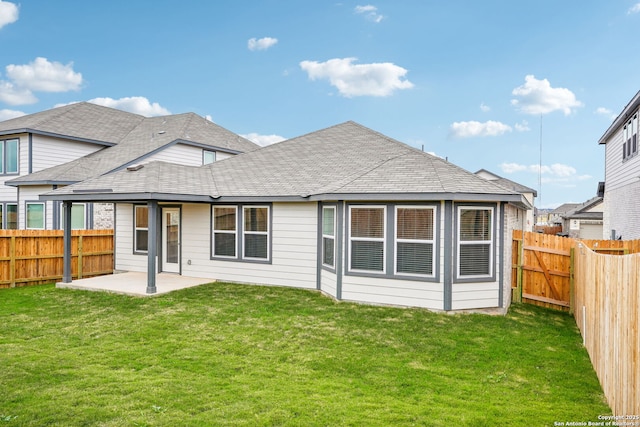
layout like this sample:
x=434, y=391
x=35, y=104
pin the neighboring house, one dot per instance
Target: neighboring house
x=556, y=216
x=622, y=175
x=585, y=220
x=48, y=150
x=345, y=210
x=529, y=193
x=542, y=217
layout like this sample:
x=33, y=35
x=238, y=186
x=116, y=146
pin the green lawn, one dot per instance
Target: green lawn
x=238, y=355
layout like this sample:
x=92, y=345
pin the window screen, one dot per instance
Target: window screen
x=414, y=240
x=367, y=233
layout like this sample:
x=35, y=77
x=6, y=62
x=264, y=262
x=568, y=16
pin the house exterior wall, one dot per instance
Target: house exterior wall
x=178, y=153
x=622, y=189
x=103, y=216
x=622, y=212
x=48, y=152
x=296, y=251
x=184, y=155
x=35, y=153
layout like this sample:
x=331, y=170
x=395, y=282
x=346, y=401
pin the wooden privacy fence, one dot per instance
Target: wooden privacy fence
x=607, y=301
x=29, y=257
x=543, y=266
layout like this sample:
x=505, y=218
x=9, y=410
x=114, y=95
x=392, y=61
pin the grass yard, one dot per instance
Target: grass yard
x=238, y=355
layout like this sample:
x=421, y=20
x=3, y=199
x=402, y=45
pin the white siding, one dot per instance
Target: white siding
x=328, y=283
x=125, y=259
x=178, y=153
x=475, y=295
x=294, y=248
x=48, y=152
x=622, y=189
x=183, y=154
x=487, y=294
x=391, y=291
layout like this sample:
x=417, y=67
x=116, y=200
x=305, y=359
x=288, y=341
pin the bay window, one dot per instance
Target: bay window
x=415, y=231
x=475, y=242
x=367, y=238
x=328, y=236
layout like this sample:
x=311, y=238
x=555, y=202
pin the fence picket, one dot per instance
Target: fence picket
x=35, y=256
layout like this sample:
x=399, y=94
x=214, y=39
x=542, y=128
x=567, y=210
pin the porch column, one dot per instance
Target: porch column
x=152, y=246
x=66, y=263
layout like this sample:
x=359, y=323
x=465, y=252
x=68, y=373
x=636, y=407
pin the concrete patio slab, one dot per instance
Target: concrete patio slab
x=134, y=283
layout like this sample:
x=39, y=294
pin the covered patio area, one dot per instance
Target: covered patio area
x=135, y=283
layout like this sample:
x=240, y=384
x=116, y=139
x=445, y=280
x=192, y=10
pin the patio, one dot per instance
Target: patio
x=135, y=283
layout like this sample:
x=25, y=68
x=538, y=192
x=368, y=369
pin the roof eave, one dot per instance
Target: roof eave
x=39, y=182
x=56, y=135
x=622, y=117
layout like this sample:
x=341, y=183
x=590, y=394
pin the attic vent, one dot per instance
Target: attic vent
x=162, y=132
x=135, y=167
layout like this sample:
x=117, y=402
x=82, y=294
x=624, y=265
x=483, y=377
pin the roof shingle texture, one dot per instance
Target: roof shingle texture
x=343, y=159
x=135, y=138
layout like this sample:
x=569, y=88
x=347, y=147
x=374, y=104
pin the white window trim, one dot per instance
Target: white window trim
x=432, y=242
x=26, y=215
x=234, y=232
x=262, y=233
x=369, y=239
x=460, y=242
x=329, y=236
x=136, y=228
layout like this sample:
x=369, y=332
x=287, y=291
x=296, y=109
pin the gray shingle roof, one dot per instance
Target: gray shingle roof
x=507, y=183
x=82, y=120
x=346, y=159
x=147, y=135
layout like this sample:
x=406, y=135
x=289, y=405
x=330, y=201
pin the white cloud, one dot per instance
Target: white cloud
x=12, y=95
x=261, y=44
x=522, y=126
x=634, y=9
x=376, y=79
x=133, y=104
x=44, y=76
x=8, y=13
x=472, y=128
x=10, y=114
x=484, y=108
x=263, y=140
x=538, y=97
x=555, y=172
x=370, y=12
x=601, y=111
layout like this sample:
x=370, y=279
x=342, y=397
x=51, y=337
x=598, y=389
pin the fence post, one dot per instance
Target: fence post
x=519, y=271
x=572, y=295
x=12, y=262
x=79, y=256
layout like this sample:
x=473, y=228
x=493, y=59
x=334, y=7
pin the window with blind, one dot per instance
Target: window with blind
x=367, y=238
x=141, y=229
x=328, y=236
x=224, y=231
x=414, y=235
x=256, y=232
x=475, y=242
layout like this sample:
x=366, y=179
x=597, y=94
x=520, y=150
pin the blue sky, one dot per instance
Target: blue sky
x=479, y=83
